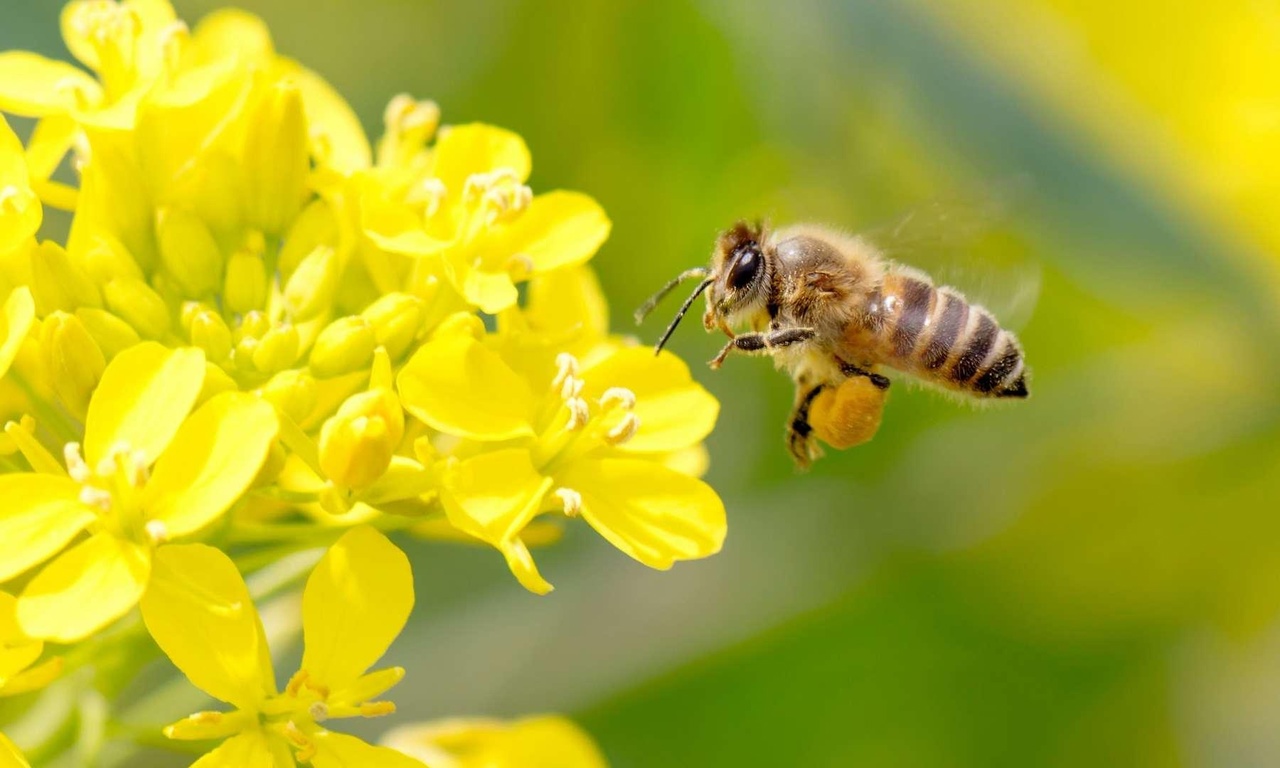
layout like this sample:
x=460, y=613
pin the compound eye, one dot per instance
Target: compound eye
x=746, y=264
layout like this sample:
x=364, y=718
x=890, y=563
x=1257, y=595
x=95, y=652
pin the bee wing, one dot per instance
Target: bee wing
x=967, y=243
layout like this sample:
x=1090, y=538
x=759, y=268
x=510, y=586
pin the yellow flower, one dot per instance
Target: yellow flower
x=466, y=204
x=545, y=741
x=147, y=472
x=603, y=437
x=17, y=654
x=356, y=601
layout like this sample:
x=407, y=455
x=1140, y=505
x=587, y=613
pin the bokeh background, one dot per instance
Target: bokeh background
x=1091, y=577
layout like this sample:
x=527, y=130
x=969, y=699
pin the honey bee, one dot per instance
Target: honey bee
x=832, y=310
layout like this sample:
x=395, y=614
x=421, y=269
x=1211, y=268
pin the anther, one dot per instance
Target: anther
x=571, y=388
x=377, y=708
x=520, y=266
x=579, y=413
x=567, y=366
x=77, y=468
x=305, y=746
x=624, y=430
x=95, y=497
x=157, y=531
x=618, y=396
x=572, y=501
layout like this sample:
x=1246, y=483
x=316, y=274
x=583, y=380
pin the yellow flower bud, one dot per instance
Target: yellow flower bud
x=138, y=305
x=188, y=251
x=315, y=226
x=277, y=349
x=396, y=319
x=58, y=282
x=293, y=393
x=208, y=331
x=311, y=286
x=245, y=287
x=106, y=258
x=276, y=159
x=345, y=345
x=460, y=323
x=74, y=361
x=357, y=442
x=111, y=334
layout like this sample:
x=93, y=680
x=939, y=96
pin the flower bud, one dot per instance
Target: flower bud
x=111, y=334
x=106, y=258
x=315, y=226
x=208, y=331
x=59, y=283
x=138, y=305
x=357, y=442
x=293, y=393
x=245, y=287
x=345, y=345
x=188, y=251
x=276, y=159
x=74, y=361
x=310, y=288
x=396, y=319
x=277, y=349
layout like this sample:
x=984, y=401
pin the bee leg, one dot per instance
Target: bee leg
x=849, y=369
x=801, y=442
x=763, y=342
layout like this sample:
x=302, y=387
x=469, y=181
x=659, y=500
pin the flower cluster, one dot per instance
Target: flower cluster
x=263, y=335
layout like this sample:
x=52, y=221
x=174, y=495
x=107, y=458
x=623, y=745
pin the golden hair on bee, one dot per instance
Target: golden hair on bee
x=832, y=311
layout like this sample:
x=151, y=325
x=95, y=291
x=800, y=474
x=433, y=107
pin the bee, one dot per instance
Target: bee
x=832, y=311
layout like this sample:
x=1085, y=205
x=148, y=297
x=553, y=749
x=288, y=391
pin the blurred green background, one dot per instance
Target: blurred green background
x=1092, y=577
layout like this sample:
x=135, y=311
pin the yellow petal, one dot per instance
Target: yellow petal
x=84, y=589
x=211, y=461
x=19, y=311
x=39, y=514
x=545, y=741
x=521, y=564
x=356, y=601
x=33, y=86
x=464, y=150
x=10, y=755
x=335, y=130
x=20, y=212
x=652, y=513
x=198, y=610
x=49, y=143
x=675, y=411
x=338, y=750
x=251, y=749
x=144, y=395
x=491, y=291
x=33, y=679
x=228, y=32
x=568, y=300
x=458, y=386
x=559, y=229
x=494, y=495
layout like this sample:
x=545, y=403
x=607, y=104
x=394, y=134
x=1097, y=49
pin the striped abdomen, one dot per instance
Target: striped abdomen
x=935, y=334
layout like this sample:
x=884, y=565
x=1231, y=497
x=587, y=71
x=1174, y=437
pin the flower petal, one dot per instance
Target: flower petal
x=210, y=462
x=19, y=311
x=494, y=495
x=144, y=395
x=20, y=211
x=491, y=291
x=33, y=86
x=463, y=150
x=251, y=749
x=10, y=755
x=33, y=679
x=356, y=601
x=545, y=741
x=652, y=513
x=39, y=514
x=675, y=411
x=331, y=122
x=338, y=750
x=559, y=229
x=458, y=386
x=566, y=300
x=231, y=32
x=84, y=589
x=198, y=610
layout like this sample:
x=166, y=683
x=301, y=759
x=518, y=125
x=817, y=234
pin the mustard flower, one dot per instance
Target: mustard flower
x=530, y=742
x=355, y=603
x=145, y=473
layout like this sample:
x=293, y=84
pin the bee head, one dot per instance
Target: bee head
x=734, y=284
x=739, y=268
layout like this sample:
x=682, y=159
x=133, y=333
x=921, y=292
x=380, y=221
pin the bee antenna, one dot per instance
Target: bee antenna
x=649, y=305
x=702, y=286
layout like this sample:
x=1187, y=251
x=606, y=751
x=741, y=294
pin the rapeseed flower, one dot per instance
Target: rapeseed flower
x=146, y=473
x=355, y=603
x=545, y=741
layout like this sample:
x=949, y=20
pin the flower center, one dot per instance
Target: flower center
x=114, y=490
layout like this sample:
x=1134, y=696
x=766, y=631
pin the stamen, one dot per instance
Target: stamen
x=618, y=396
x=296, y=682
x=429, y=192
x=9, y=196
x=571, y=388
x=77, y=468
x=579, y=413
x=567, y=366
x=95, y=497
x=624, y=430
x=157, y=531
x=520, y=266
x=319, y=711
x=305, y=746
x=377, y=708
x=572, y=501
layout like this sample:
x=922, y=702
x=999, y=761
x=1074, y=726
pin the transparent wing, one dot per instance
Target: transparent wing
x=972, y=244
